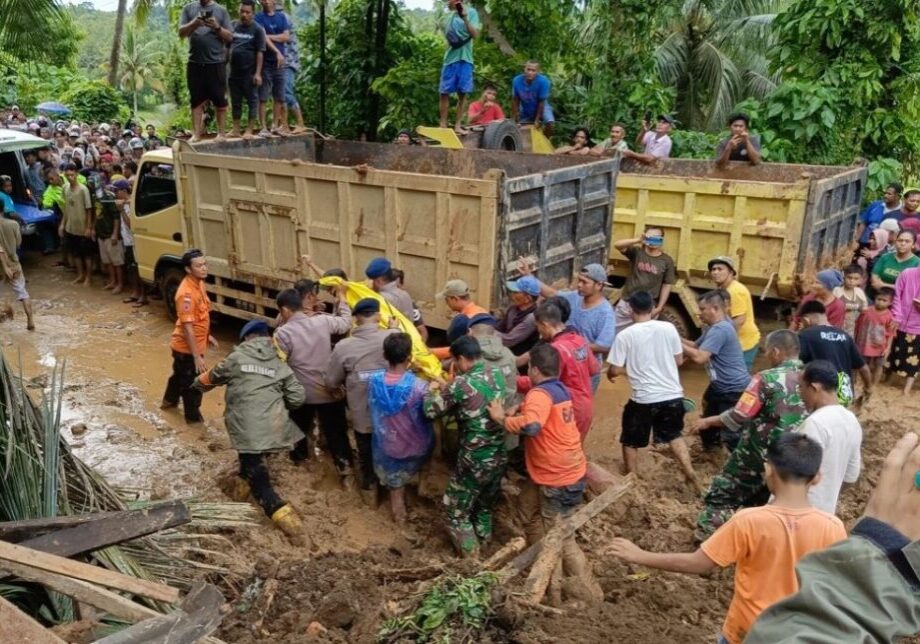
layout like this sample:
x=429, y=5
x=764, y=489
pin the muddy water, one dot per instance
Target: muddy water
x=116, y=361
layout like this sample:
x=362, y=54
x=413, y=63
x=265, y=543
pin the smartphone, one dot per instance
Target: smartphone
x=204, y=14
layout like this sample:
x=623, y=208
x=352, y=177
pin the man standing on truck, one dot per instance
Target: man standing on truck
x=530, y=98
x=656, y=145
x=191, y=337
x=719, y=349
x=460, y=28
x=246, y=53
x=384, y=281
x=650, y=269
x=277, y=32
x=304, y=341
x=741, y=145
x=741, y=307
x=591, y=314
x=207, y=26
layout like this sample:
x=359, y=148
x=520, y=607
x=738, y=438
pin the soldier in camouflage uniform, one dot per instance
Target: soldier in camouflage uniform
x=475, y=483
x=769, y=407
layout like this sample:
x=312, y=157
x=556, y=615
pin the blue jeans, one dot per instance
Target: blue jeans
x=289, y=97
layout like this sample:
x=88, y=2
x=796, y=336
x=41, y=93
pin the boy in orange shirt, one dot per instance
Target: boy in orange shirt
x=764, y=542
x=556, y=463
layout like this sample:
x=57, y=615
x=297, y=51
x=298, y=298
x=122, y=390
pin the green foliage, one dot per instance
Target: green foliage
x=95, y=101
x=25, y=27
x=456, y=602
x=36, y=82
x=694, y=145
x=881, y=173
x=407, y=88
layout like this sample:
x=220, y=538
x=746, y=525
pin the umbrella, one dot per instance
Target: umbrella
x=15, y=140
x=51, y=107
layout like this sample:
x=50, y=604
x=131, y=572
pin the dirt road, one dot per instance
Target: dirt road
x=117, y=361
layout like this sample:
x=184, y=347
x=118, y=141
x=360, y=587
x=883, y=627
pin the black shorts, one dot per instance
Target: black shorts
x=714, y=404
x=664, y=421
x=79, y=246
x=207, y=82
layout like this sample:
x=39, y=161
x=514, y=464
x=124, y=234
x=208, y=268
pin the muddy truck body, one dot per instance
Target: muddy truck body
x=255, y=207
x=779, y=222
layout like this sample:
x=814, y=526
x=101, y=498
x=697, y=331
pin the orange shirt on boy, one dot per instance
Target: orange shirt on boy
x=552, y=451
x=765, y=543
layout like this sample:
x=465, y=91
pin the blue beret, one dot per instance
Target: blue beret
x=366, y=306
x=253, y=326
x=483, y=318
x=377, y=267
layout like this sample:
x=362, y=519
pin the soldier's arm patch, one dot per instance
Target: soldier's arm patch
x=748, y=404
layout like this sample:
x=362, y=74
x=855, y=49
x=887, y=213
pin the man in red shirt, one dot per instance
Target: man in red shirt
x=486, y=109
x=556, y=463
x=190, y=338
x=577, y=363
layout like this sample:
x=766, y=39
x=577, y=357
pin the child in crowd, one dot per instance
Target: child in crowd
x=852, y=295
x=475, y=483
x=875, y=330
x=402, y=437
x=764, y=543
x=823, y=290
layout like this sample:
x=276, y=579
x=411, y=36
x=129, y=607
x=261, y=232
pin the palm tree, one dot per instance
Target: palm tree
x=141, y=67
x=21, y=26
x=116, y=41
x=714, y=56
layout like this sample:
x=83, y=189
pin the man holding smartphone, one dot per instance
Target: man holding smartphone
x=460, y=28
x=206, y=24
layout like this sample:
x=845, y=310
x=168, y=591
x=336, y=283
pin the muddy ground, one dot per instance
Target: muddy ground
x=116, y=364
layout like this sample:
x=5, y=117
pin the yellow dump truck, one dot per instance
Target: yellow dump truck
x=255, y=207
x=778, y=221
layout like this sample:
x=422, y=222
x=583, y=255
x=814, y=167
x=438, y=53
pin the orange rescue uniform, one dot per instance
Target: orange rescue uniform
x=192, y=306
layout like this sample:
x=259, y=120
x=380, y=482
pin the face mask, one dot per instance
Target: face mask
x=654, y=241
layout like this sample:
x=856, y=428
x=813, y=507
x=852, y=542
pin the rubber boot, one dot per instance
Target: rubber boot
x=290, y=524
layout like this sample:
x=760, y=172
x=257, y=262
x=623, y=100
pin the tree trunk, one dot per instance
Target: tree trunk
x=322, y=66
x=134, y=91
x=380, y=52
x=116, y=41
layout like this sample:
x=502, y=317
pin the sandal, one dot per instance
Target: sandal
x=128, y=300
x=139, y=304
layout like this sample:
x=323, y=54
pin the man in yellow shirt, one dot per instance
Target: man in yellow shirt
x=741, y=308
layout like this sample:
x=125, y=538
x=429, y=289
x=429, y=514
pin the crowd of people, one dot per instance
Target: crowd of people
x=517, y=393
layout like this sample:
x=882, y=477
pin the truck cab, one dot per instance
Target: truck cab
x=156, y=223
x=13, y=164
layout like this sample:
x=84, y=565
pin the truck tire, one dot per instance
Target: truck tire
x=502, y=135
x=169, y=284
x=676, y=316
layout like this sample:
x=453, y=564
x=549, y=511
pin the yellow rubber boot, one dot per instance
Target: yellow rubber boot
x=290, y=524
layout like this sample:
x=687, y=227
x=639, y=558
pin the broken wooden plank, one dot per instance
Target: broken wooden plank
x=568, y=526
x=16, y=531
x=513, y=547
x=542, y=570
x=33, y=558
x=198, y=615
x=109, y=530
x=101, y=598
x=16, y=626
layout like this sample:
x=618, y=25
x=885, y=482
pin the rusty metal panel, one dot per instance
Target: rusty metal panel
x=830, y=222
x=561, y=218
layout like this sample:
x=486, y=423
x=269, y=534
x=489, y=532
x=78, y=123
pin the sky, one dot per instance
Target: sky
x=110, y=5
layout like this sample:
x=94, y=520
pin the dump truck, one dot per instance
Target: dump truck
x=779, y=222
x=255, y=207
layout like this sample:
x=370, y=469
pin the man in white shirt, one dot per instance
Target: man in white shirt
x=656, y=144
x=649, y=352
x=835, y=428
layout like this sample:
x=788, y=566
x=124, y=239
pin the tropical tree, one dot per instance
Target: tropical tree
x=116, y=41
x=27, y=28
x=714, y=56
x=141, y=66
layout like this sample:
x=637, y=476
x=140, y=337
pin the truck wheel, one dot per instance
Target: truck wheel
x=169, y=284
x=502, y=135
x=675, y=316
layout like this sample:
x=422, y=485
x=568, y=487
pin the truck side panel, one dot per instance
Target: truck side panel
x=833, y=206
x=254, y=219
x=559, y=218
x=758, y=223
